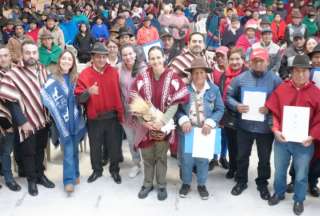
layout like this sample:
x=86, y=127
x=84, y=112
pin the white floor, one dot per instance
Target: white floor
x=104, y=197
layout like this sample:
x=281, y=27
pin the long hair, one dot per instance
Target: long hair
x=73, y=73
x=136, y=65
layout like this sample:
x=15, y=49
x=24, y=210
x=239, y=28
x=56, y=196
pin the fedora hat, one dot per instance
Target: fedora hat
x=124, y=31
x=314, y=51
x=301, y=61
x=199, y=62
x=99, y=48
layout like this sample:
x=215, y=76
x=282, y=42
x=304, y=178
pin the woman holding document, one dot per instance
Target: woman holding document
x=204, y=110
x=295, y=106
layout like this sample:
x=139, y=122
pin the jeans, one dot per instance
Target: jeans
x=7, y=143
x=224, y=144
x=301, y=157
x=135, y=154
x=70, y=162
x=245, y=141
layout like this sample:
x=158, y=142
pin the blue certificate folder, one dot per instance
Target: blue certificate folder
x=188, y=142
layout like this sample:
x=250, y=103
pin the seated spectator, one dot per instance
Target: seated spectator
x=99, y=30
x=33, y=30
x=249, y=36
x=147, y=33
x=84, y=43
x=278, y=27
x=232, y=34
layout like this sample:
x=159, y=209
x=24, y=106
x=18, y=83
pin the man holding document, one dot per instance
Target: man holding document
x=295, y=106
x=199, y=117
x=247, y=95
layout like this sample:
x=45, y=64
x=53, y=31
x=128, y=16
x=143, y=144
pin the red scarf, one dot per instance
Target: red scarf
x=278, y=31
x=229, y=74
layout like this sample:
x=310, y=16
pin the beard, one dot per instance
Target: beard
x=30, y=62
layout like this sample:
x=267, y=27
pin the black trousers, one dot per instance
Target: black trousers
x=232, y=148
x=105, y=132
x=314, y=172
x=264, y=146
x=33, y=149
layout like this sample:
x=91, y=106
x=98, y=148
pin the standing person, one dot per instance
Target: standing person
x=58, y=96
x=155, y=86
x=84, y=43
x=7, y=137
x=298, y=91
x=260, y=79
x=29, y=114
x=113, y=53
x=128, y=70
x=99, y=90
x=204, y=110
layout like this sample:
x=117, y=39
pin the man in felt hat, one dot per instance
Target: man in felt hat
x=296, y=48
x=52, y=27
x=199, y=112
x=169, y=46
x=297, y=92
x=14, y=43
x=147, y=33
x=98, y=90
x=272, y=48
x=258, y=78
x=124, y=36
x=295, y=26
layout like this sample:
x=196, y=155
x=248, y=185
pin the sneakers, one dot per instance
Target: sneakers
x=184, y=190
x=134, y=171
x=203, y=192
x=238, y=189
x=162, y=194
x=298, y=208
x=144, y=191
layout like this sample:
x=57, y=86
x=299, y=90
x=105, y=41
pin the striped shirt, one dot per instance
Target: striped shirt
x=4, y=112
x=23, y=85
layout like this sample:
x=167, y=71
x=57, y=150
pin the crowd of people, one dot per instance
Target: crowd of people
x=188, y=62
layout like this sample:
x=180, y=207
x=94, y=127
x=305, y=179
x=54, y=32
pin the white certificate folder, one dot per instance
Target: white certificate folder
x=255, y=98
x=295, y=123
x=201, y=146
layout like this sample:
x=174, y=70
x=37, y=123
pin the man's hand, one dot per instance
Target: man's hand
x=263, y=110
x=242, y=108
x=94, y=89
x=26, y=128
x=206, y=129
x=186, y=127
x=279, y=136
x=308, y=141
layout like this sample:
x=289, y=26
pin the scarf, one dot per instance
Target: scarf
x=229, y=75
x=60, y=101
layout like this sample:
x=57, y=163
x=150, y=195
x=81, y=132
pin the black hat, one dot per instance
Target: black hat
x=99, y=48
x=297, y=33
x=315, y=50
x=52, y=16
x=301, y=61
x=165, y=31
x=125, y=31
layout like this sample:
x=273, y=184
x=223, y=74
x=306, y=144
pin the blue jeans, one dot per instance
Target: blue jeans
x=224, y=144
x=70, y=162
x=135, y=154
x=301, y=157
x=7, y=141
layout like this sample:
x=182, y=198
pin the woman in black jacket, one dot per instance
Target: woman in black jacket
x=84, y=43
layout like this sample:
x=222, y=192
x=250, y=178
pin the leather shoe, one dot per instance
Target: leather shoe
x=290, y=187
x=32, y=188
x=43, y=180
x=13, y=186
x=230, y=174
x=275, y=199
x=116, y=177
x=238, y=189
x=298, y=208
x=94, y=176
x=264, y=193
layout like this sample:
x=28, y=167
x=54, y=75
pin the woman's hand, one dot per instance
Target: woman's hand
x=279, y=136
x=206, y=129
x=186, y=127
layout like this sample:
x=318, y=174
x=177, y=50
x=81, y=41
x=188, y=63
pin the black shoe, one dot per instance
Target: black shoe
x=43, y=180
x=32, y=188
x=105, y=162
x=230, y=174
x=203, y=192
x=290, y=187
x=184, y=190
x=194, y=169
x=264, y=193
x=224, y=162
x=314, y=191
x=144, y=191
x=13, y=186
x=162, y=194
x=238, y=189
x=275, y=199
x=116, y=177
x=298, y=208
x=212, y=164
x=94, y=176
